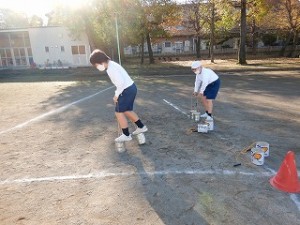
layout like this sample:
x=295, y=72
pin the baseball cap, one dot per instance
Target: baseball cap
x=196, y=64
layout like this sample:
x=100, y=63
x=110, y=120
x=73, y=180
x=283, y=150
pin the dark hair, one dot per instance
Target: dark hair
x=98, y=56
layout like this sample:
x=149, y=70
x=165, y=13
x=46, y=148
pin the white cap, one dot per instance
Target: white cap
x=196, y=64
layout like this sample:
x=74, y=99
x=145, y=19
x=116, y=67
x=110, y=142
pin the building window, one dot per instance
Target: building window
x=8, y=53
x=168, y=44
x=6, y=57
x=47, y=49
x=81, y=49
x=62, y=48
x=76, y=50
x=20, y=56
x=17, y=39
x=4, y=40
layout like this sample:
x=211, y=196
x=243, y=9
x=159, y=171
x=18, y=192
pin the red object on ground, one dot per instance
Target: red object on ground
x=286, y=178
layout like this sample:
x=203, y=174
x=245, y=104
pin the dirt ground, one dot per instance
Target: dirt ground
x=59, y=164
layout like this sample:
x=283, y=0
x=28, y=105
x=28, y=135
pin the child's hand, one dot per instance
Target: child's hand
x=115, y=98
x=195, y=94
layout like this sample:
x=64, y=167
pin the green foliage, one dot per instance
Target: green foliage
x=13, y=19
x=35, y=21
x=228, y=16
x=138, y=18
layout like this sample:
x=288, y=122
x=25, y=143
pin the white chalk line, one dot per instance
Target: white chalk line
x=271, y=171
x=175, y=107
x=178, y=109
x=104, y=174
x=292, y=196
x=52, y=112
x=295, y=200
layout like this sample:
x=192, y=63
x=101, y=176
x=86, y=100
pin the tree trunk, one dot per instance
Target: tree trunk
x=282, y=50
x=142, y=50
x=253, y=34
x=294, y=46
x=151, y=58
x=243, y=33
x=198, y=47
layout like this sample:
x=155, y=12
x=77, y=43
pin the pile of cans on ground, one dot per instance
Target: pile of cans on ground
x=204, y=125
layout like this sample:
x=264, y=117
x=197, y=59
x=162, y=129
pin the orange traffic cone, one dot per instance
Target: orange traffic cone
x=286, y=178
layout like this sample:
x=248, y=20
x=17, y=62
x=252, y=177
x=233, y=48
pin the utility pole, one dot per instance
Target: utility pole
x=212, y=32
x=118, y=42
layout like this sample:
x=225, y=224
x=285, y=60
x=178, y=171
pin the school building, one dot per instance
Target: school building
x=42, y=47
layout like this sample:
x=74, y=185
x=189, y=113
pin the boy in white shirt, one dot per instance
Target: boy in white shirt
x=207, y=85
x=124, y=94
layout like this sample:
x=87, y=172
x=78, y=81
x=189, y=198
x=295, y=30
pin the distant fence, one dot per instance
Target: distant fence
x=261, y=51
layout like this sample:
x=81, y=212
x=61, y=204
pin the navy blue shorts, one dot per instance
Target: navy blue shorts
x=126, y=99
x=211, y=91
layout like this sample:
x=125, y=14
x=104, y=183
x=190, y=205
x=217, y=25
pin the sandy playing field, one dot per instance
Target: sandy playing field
x=59, y=164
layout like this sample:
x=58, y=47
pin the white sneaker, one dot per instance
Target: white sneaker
x=140, y=130
x=123, y=138
x=204, y=115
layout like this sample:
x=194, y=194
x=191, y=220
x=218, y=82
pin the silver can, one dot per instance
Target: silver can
x=141, y=138
x=120, y=147
x=203, y=128
x=197, y=116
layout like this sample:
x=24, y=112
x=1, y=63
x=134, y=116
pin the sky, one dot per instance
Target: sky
x=40, y=7
x=36, y=7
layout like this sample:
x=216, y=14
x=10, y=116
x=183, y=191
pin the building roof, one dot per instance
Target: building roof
x=176, y=31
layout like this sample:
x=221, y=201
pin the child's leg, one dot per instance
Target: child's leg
x=208, y=104
x=204, y=102
x=134, y=118
x=122, y=120
x=141, y=128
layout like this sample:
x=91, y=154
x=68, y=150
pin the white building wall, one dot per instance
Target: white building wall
x=51, y=44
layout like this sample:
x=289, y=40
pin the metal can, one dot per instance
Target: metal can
x=263, y=146
x=203, y=128
x=141, y=138
x=192, y=113
x=210, y=123
x=257, y=156
x=120, y=147
x=197, y=116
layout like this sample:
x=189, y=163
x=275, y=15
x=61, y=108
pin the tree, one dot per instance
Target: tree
x=35, y=21
x=243, y=33
x=77, y=20
x=98, y=19
x=289, y=11
x=12, y=19
x=212, y=31
x=158, y=16
x=209, y=14
x=196, y=22
x=211, y=4
x=227, y=19
x=257, y=10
